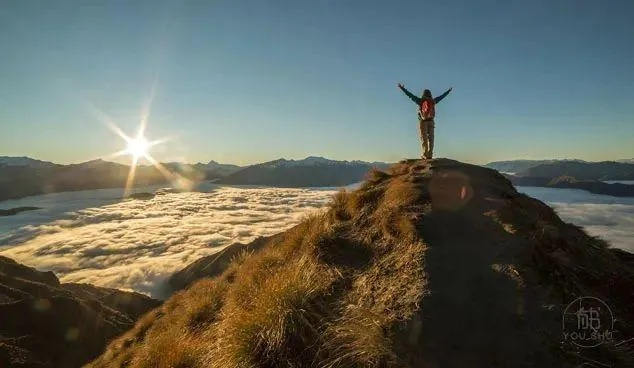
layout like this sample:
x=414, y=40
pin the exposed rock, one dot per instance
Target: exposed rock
x=47, y=324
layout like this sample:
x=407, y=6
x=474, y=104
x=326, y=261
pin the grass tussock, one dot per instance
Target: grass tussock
x=328, y=294
x=279, y=322
x=565, y=257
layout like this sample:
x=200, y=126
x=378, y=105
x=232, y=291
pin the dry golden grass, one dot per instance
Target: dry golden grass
x=278, y=322
x=327, y=294
x=332, y=291
x=169, y=348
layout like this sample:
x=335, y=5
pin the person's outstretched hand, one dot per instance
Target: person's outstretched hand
x=400, y=85
x=450, y=89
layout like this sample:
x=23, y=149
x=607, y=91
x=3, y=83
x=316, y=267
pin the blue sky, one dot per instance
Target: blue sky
x=250, y=81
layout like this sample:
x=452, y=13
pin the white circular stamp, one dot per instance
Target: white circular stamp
x=588, y=322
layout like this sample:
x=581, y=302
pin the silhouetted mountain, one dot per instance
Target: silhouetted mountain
x=516, y=166
x=567, y=182
x=25, y=161
x=23, y=176
x=309, y=172
x=431, y=264
x=216, y=170
x=605, y=170
x=571, y=174
x=21, y=181
x=626, y=160
x=47, y=324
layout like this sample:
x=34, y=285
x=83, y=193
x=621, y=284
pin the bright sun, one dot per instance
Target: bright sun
x=138, y=147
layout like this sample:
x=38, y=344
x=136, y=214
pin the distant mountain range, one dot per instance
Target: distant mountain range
x=626, y=161
x=309, y=172
x=35, y=178
x=25, y=161
x=605, y=170
x=578, y=169
x=214, y=168
x=24, y=176
x=567, y=182
x=572, y=174
x=517, y=166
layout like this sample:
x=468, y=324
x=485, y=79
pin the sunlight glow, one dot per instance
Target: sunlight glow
x=138, y=147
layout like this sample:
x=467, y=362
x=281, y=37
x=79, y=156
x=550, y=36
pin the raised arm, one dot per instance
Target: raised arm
x=439, y=98
x=409, y=94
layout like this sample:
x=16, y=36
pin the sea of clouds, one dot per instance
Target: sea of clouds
x=95, y=237
x=138, y=244
x=610, y=218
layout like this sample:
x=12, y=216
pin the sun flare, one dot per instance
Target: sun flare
x=138, y=147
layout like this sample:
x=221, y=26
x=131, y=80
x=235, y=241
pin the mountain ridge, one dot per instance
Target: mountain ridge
x=309, y=172
x=602, y=170
x=428, y=264
x=18, y=181
x=26, y=160
x=571, y=174
x=46, y=323
x=516, y=166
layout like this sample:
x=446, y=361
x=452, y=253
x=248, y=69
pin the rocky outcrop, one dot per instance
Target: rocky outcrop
x=44, y=323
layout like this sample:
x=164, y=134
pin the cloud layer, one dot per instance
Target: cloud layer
x=137, y=244
x=611, y=222
x=611, y=218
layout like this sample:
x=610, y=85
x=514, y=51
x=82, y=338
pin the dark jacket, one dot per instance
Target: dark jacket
x=418, y=100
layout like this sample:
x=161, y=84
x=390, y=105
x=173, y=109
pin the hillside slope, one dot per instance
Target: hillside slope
x=47, y=324
x=438, y=264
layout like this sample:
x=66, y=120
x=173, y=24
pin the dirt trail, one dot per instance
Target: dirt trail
x=480, y=309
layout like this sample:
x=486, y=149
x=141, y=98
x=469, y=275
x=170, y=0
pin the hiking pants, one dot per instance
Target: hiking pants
x=427, y=136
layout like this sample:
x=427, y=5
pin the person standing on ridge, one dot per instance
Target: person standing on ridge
x=426, y=114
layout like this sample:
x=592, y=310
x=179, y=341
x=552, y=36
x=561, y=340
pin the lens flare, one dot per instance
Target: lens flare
x=138, y=147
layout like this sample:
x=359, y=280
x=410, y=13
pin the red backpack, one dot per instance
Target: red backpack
x=427, y=108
